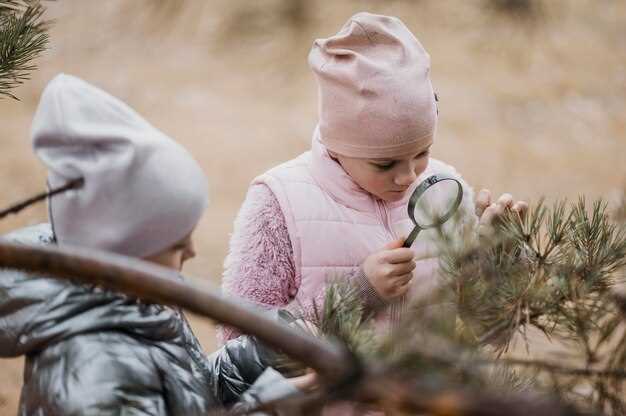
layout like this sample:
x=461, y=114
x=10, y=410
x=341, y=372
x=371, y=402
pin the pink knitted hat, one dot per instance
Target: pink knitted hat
x=376, y=99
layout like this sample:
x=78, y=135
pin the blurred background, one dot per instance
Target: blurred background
x=532, y=96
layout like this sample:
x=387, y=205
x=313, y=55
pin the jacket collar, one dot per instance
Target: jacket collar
x=331, y=176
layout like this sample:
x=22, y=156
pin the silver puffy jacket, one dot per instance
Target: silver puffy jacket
x=94, y=352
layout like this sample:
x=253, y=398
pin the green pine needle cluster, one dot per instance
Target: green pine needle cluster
x=619, y=214
x=343, y=317
x=555, y=269
x=422, y=351
x=23, y=37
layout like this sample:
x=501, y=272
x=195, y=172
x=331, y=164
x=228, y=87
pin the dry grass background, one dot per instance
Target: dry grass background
x=531, y=105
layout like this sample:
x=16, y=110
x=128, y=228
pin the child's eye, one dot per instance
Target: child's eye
x=384, y=166
x=424, y=153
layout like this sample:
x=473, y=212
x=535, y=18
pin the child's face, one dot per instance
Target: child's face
x=175, y=256
x=387, y=179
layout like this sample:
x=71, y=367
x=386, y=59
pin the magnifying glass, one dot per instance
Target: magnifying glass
x=432, y=203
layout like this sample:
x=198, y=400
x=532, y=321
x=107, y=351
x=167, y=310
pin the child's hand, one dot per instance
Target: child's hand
x=489, y=212
x=307, y=382
x=389, y=270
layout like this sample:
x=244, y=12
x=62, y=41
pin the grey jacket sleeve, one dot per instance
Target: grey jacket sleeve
x=237, y=366
x=271, y=385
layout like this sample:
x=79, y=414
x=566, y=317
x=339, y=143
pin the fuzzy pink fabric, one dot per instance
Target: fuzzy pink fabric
x=259, y=266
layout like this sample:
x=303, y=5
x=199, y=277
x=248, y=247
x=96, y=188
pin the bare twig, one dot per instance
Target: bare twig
x=15, y=208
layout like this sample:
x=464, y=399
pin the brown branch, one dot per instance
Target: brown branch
x=384, y=390
x=620, y=301
x=381, y=388
x=555, y=368
x=399, y=395
x=158, y=284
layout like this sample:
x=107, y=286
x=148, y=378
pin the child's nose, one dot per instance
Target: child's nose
x=406, y=178
x=190, y=252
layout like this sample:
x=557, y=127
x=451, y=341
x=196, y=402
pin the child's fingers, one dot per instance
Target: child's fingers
x=483, y=200
x=305, y=382
x=394, y=244
x=499, y=209
x=403, y=279
x=398, y=255
x=505, y=200
x=402, y=269
x=402, y=289
x=491, y=213
x=520, y=207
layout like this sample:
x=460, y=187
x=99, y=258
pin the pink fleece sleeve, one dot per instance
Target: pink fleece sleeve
x=259, y=266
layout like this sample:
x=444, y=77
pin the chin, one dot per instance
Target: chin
x=394, y=196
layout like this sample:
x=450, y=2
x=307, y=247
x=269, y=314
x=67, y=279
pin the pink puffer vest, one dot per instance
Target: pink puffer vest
x=334, y=224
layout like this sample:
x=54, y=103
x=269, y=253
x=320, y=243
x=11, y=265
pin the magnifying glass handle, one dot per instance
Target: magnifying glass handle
x=411, y=238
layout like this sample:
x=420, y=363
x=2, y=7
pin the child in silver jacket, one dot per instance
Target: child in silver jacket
x=91, y=351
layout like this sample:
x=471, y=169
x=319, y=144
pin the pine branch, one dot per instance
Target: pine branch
x=341, y=318
x=23, y=37
x=619, y=215
x=555, y=270
x=560, y=369
x=547, y=271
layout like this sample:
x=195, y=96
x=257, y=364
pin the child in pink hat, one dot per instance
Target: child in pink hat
x=339, y=209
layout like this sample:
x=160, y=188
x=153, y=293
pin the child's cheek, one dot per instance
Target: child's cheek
x=383, y=182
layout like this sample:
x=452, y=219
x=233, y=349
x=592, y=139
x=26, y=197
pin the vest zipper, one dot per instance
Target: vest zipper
x=385, y=217
x=398, y=307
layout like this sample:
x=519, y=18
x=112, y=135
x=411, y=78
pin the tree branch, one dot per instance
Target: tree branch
x=158, y=284
x=555, y=368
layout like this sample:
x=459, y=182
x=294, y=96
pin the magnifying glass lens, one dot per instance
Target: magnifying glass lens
x=437, y=204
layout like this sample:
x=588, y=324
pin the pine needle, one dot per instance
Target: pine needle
x=23, y=37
